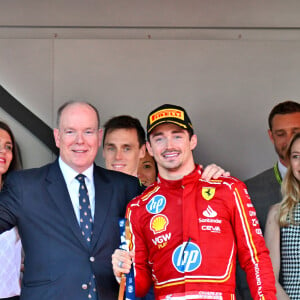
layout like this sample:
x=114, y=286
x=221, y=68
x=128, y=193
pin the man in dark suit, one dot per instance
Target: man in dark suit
x=61, y=261
x=264, y=188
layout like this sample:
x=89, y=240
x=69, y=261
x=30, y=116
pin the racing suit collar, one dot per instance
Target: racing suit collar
x=192, y=177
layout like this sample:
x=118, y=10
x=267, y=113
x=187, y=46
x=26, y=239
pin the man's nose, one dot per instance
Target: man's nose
x=289, y=136
x=79, y=137
x=169, y=143
x=119, y=154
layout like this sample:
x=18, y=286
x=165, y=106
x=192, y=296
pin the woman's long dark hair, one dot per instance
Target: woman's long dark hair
x=16, y=163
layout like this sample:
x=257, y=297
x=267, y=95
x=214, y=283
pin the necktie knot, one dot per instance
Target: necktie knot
x=80, y=178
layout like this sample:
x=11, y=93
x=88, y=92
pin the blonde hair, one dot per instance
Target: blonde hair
x=290, y=190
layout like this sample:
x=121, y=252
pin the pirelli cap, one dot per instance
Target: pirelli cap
x=169, y=113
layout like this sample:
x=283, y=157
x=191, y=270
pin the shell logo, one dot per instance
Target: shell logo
x=159, y=223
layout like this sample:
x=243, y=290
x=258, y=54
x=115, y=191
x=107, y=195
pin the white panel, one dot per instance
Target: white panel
x=228, y=87
x=216, y=13
x=26, y=73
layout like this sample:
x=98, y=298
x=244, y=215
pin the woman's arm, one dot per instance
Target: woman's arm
x=272, y=238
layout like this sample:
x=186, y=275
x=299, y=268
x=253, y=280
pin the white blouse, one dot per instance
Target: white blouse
x=10, y=262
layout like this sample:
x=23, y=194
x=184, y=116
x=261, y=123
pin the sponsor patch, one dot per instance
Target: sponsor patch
x=161, y=241
x=217, y=221
x=258, y=231
x=255, y=222
x=166, y=113
x=208, y=193
x=187, y=257
x=209, y=212
x=204, y=295
x=159, y=223
x=156, y=205
x=211, y=228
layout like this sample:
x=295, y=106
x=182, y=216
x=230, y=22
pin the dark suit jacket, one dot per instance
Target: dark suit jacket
x=264, y=191
x=58, y=262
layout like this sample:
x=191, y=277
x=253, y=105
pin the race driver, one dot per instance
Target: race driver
x=186, y=232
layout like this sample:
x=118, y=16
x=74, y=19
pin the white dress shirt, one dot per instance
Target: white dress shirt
x=282, y=169
x=73, y=186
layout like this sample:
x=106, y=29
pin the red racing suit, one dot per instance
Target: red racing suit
x=186, y=235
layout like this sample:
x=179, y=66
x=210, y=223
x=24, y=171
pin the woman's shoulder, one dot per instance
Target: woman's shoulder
x=273, y=214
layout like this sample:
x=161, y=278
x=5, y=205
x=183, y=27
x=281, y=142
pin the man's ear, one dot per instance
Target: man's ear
x=149, y=148
x=56, y=136
x=271, y=136
x=100, y=136
x=142, y=151
x=193, y=142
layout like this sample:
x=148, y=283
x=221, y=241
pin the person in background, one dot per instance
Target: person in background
x=10, y=243
x=186, y=232
x=123, y=144
x=147, y=169
x=282, y=232
x=264, y=188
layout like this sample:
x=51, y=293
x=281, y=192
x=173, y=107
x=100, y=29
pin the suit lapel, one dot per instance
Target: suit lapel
x=58, y=190
x=103, y=199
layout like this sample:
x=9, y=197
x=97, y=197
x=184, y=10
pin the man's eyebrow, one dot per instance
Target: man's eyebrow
x=109, y=144
x=178, y=131
x=279, y=130
x=67, y=128
x=157, y=133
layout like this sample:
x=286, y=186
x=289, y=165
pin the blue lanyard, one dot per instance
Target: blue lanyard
x=130, y=287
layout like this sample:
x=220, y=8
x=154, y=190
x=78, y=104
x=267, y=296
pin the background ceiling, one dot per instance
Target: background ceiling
x=141, y=13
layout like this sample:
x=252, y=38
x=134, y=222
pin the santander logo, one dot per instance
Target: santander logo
x=209, y=212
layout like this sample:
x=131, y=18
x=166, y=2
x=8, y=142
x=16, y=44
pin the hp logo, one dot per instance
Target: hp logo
x=187, y=257
x=156, y=204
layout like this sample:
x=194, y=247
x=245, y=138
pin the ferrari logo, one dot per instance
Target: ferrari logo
x=208, y=193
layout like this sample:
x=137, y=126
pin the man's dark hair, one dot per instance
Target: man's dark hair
x=283, y=108
x=61, y=108
x=125, y=122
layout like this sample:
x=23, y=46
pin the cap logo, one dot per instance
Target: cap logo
x=166, y=113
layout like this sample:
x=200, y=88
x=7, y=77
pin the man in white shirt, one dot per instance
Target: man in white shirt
x=62, y=262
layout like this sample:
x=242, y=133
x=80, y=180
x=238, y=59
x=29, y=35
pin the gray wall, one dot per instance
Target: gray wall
x=227, y=65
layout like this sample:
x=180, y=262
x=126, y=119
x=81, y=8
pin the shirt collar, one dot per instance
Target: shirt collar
x=282, y=169
x=69, y=174
x=192, y=177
